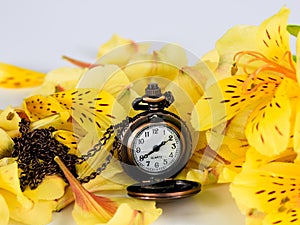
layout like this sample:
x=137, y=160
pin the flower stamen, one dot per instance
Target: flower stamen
x=269, y=65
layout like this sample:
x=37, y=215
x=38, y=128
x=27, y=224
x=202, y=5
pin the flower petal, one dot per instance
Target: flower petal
x=233, y=41
x=297, y=133
x=92, y=109
x=268, y=128
x=149, y=68
x=9, y=119
x=51, y=188
x=281, y=182
x=255, y=160
x=9, y=177
x=21, y=208
x=173, y=54
x=119, y=51
x=115, y=41
x=67, y=138
x=93, y=209
x=88, y=208
x=298, y=58
x=16, y=77
x=4, y=212
x=64, y=77
x=39, y=213
x=284, y=217
x=273, y=39
x=110, y=78
x=39, y=106
x=7, y=144
x=226, y=98
x=135, y=212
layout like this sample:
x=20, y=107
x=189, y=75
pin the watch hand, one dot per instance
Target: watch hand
x=156, y=148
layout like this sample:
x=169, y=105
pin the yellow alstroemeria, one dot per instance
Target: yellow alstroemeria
x=269, y=193
x=94, y=209
x=16, y=77
x=266, y=78
x=90, y=108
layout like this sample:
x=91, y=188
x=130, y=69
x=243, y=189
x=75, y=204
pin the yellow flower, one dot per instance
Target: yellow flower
x=88, y=107
x=266, y=79
x=257, y=98
x=272, y=191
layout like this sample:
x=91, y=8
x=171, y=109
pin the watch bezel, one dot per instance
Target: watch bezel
x=137, y=125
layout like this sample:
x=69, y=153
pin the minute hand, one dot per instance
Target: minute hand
x=156, y=148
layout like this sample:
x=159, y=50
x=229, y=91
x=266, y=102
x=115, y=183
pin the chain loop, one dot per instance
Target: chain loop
x=98, y=146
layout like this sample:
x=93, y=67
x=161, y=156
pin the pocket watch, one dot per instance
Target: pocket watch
x=153, y=147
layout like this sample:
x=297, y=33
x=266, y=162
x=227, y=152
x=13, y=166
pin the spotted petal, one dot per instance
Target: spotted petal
x=225, y=99
x=288, y=216
x=268, y=128
x=273, y=39
x=16, y=77
x=255, y=160
x=281, y=183
x=91, y=109
x=68, y=138
x=39, y=106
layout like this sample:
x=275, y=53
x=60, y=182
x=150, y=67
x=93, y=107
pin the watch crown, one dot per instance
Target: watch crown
x=153, y=90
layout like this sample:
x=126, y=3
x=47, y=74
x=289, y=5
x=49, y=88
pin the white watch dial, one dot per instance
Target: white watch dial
x=156, y=148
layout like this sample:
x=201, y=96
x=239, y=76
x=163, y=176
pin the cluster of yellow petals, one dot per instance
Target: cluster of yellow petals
x=257, y=97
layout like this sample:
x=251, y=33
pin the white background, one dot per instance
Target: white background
x=36, y=33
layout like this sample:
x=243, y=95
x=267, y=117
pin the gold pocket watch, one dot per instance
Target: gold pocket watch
x=155, y=146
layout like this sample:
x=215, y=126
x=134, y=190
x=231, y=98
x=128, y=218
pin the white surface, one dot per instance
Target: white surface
x=34, y=34
x=212, y=206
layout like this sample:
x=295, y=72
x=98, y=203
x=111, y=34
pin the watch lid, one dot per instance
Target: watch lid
x=164, y=190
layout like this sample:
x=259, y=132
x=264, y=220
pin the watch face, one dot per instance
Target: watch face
x=155, y=148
